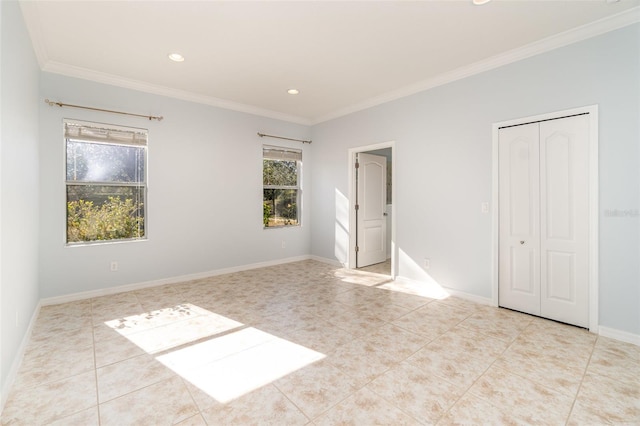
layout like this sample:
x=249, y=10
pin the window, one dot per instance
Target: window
x=281, y=170
x=106, y=182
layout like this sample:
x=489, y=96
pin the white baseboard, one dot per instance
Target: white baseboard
x=470, y=297
x=17, y=360
x=332, y=262
x=623, y=336
x=171, y=280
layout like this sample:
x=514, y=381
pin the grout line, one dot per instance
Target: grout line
x=584, y=374
x=95, y=365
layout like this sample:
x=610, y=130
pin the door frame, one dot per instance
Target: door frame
x=351, y=159
x=592, y=110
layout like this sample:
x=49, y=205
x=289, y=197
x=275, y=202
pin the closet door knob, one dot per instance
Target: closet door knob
x=521, y=242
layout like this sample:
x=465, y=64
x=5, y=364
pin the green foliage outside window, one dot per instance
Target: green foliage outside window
x=280, y=192
x=115, y=219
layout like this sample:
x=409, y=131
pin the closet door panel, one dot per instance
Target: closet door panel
x=564, y=226
x=519, y=247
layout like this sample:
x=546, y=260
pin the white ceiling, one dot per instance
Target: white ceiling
x=342, y=56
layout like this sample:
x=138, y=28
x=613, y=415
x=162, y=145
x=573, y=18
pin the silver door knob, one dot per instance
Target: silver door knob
x=521, y=242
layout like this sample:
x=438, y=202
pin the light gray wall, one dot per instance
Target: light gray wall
x=19, y=208
x=443, y=165
x=205, y=190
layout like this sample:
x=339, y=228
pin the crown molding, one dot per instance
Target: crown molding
x=610, y=23
x=614, y=22
x=32, y=22
x=114, y=80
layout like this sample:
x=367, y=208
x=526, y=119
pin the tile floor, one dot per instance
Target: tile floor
x=378, y=268
x=306, y=343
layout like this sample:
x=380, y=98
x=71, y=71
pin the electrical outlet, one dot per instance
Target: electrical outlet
x=114, y=266
x=484, y=207
x=284, y=244
x=427, y=263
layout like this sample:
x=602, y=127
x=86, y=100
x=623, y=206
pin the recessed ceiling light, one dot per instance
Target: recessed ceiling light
x=293, y=91
x=176, y=57
x=480, y=2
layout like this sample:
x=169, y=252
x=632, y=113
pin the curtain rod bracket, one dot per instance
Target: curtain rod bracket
x=60, y=104
x=262, y=135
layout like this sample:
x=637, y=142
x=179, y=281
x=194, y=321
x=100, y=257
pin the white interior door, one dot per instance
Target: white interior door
x=519, y=252
x=564, y=220
x=543, y=213
x=371, y=201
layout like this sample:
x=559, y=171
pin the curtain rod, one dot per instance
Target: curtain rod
x=60, y=104
x=262, y=135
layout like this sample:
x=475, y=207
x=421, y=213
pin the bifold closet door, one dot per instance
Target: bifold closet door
x=564, y=220
x=519, y=210
x=543, y=208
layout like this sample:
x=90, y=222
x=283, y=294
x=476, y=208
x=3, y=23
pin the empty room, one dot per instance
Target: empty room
x=320, y=212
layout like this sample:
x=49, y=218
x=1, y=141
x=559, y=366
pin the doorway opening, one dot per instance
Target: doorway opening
x=372, y=209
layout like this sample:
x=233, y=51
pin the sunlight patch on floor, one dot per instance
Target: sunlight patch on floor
x=235, y=364
x=222, y=357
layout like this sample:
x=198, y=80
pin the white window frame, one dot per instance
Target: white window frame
x=292, y=152
x=118, y=136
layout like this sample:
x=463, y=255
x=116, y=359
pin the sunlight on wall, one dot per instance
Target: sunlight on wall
x=420, y=283
x=222, y=357
x=342, y=228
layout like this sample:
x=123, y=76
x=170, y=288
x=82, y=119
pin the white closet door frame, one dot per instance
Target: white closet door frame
x=592, y=110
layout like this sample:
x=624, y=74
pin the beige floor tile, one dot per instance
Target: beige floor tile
x=53, y=365
x=164, y=403
x=605, y=400
x=358, y=323
x=323, y=337
x=459, y=356
x=115, y=349
x=113, y=312
x=378, y=268
x=130, y=375
x=60, y=322
x=264, y=406
x=364, y=408
x=196, y=420
x=83, y=418
x=202, y=399
x=51, y=341
x=114, y=300
x=543, y=330
x=471, y=410
x=386, y=310
x=423, y=396
x=406, y=300
x=522, y=398
x=52, y=401
x=542, y=369
x=432, y=320
x=316, y=388
x=239, y=373
x=178, y=333
x=462, y=304
x=361, y=361
x=159, y=298
x=617, y=360
x=148, y=320
x=498, y=323
x=394, y=340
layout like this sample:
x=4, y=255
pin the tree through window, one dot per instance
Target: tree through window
x=281, y=169
x=106, y=182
